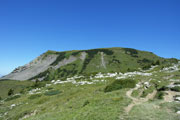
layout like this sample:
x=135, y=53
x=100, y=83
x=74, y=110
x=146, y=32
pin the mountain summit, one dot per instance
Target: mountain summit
x=54, y=65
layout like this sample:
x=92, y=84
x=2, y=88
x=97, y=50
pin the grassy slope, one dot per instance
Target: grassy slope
x=90, y=102
x=17, y=86
x=70, y=104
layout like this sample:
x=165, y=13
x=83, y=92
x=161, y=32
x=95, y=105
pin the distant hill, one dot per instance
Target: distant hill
x=54, y=65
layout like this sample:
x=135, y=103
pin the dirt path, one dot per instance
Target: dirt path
x=136, y=101
x=169, y=97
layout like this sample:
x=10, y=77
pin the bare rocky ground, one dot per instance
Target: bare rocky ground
x=137, y=101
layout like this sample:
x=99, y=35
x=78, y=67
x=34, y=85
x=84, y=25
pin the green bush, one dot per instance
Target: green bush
x=10, y=92
x=131, y=51
x=12, y=97
x=120, y=84
x=34, y=96
x=176, y=83
x=160, y=95
x=176, y=88
x=53, y=92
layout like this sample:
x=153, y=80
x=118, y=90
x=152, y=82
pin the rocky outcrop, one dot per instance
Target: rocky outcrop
x=35, y=67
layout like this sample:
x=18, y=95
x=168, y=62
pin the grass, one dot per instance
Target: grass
x=17, y=86
x=82, y=102
x=52, y=92
x=149, y=111
x=136, y=93
x=34, y=96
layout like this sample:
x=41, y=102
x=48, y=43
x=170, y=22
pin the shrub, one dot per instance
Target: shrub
x=53, y=92
x=162, y=88
x=160, y=95
x=120, y=84
x=176, y=83
x=34, y=96
x=10, y=92
x=176, y=88
x=146, y=67
x=131, y=51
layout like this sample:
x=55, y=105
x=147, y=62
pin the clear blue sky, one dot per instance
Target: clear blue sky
x=28, y=28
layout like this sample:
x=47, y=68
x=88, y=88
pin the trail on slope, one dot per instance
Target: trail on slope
x=136, y=101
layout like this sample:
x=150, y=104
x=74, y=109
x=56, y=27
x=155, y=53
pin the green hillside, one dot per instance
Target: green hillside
x=115, y=60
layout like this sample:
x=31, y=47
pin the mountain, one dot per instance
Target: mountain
x=58, y=65
x=98, y=84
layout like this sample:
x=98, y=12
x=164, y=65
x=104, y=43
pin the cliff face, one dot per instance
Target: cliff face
x=54, y=65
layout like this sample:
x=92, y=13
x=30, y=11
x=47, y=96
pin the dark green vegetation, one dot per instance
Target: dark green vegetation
x=176, y=88
x=120, y=84
x=10, y=92
x=160, y=95
x=114, y=60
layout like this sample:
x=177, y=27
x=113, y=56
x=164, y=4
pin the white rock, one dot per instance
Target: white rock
x=178, y=112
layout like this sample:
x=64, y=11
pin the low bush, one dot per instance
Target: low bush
x=162, y=88
x=10, y=92
x=120, y=84
x=52, y=92
x=176, y=88
x=160, y=95
x=176, y=83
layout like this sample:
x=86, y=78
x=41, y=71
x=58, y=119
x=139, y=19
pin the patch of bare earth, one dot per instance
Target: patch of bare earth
x=137, y=101
x=169, y=97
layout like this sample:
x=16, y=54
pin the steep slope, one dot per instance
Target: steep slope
x=58, y=65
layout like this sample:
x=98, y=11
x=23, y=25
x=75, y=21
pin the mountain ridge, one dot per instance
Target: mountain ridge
x=53, y=64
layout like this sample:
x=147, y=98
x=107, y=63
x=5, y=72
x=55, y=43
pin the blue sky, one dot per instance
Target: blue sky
x=28, y=28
